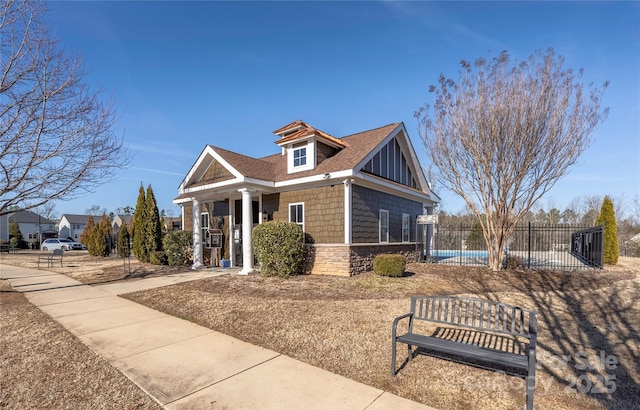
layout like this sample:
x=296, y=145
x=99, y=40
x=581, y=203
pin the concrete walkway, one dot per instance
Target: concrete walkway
x=183, y=365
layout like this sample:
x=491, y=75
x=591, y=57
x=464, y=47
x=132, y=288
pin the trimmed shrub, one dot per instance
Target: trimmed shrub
x=513, y=262
x=178, y=246
x=279, y=248
x=389, y=265
x=157, y=258
x=124, y=239
x=607, y=218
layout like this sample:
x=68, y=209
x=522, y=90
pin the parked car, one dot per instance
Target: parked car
x=56, y=243
x=77, y=246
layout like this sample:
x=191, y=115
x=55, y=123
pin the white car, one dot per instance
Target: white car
x=56, y=243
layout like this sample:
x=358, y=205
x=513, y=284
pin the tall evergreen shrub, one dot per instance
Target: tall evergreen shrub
x=124, y=239
x=153, y=225
x=139, y=246
x=86, y=232
x=607, y=218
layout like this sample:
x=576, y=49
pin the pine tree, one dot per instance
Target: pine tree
x=105, y=236
x=607, y=218
x=154, y=225
x=93, y=243
x=475, y=240
x=14, y=232
x=139, y=247
x=86, y=232
x=124, y=249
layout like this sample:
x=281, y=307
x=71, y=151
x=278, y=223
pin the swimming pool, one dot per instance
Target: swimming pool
x=447, y=253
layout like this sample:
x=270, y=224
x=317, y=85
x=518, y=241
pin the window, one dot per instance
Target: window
x=296, y=214
x=300, y=156
x=405, y=227
x=384, y=226
x=204, y=228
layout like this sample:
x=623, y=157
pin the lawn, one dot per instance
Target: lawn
x=588, y=340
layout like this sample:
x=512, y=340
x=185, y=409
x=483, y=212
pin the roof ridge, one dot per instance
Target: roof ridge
x=395, y=124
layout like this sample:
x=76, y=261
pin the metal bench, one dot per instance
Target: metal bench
x=483, y=318
x=51, y=258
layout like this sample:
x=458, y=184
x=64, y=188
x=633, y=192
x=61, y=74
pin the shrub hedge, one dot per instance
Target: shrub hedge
x=389, y=265
x=178, y=247
x=279, y=248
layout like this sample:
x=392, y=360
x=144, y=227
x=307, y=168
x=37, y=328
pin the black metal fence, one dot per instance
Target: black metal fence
x=533, y=246
x=587, y=245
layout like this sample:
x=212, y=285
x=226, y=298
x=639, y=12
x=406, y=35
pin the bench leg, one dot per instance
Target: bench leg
x=393, y=357
x=531, y=385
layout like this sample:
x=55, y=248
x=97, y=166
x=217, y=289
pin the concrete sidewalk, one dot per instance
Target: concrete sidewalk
x=183, y=365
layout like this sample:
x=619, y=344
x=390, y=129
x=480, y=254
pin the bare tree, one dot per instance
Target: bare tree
x=56, y=136
x=48, y=211
x=505, y=133
x=95, y=210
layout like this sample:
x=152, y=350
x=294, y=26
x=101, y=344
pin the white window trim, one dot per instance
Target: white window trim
x=296, y=204
x=380, y=238
x=310, y=157
x=300, y=149
x=204, y=231
x=406, y=221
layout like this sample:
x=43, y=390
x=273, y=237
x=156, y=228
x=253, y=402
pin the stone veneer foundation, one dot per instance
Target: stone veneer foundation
x=350, y=260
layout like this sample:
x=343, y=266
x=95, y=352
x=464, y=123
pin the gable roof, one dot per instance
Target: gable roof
x=30, y=218
x=125, y=219
x=270, y=171
x=76, y=219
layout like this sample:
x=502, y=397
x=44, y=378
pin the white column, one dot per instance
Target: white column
x=197, y=236
x=347, y=211
x=232, y=240
x=247, y=225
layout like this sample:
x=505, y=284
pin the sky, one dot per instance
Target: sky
x=187, y=74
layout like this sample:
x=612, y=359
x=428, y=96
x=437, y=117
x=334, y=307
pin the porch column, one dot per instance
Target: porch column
x=197, y=236
x=247, y=225
x=347, y=211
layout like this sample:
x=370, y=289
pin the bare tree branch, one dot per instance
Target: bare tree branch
x=505, y=133
x=56, y=136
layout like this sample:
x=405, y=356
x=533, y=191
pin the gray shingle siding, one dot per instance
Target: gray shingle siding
x=366, y=207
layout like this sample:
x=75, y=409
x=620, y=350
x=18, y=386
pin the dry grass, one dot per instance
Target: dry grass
x=43, y=366
x=344, y=325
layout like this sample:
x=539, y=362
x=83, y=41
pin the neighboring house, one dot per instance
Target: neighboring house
x=33, y=227
x=355, y=197
x=71, y=226
x=172, y=223
x=120, y=220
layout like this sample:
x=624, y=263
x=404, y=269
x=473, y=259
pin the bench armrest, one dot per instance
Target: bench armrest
x=398, y=319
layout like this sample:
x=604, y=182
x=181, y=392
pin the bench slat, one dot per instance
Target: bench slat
x=466, y=350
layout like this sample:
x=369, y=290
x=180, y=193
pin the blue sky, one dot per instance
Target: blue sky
x=187, y=74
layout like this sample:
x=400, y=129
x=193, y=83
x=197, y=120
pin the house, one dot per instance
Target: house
x=71, y=226
x=118, y=221
x=355, y=197
x=172, y=223
x=33, y=227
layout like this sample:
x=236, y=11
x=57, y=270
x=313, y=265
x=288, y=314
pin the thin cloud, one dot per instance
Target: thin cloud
x=158, y=171
x=165, y=152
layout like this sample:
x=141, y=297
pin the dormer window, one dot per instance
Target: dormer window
x=300, y=155
x=305, y=146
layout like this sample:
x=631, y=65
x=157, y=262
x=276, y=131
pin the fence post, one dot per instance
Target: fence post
x=529, y=246
x=460, y=246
